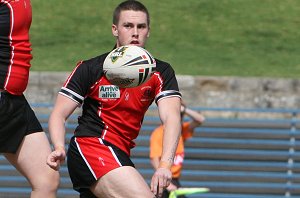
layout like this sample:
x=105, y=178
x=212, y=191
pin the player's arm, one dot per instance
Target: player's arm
x=155, y=162
x=169, y=112
x=197, y=118
x=63, y=108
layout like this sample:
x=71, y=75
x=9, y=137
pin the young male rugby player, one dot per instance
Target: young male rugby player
x=99, y=152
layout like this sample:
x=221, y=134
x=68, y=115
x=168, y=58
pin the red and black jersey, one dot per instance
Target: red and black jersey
x=112, y=113
x=15, y=48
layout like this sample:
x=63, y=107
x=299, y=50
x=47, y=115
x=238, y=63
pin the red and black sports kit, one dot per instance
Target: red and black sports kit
x=15, y=48
x=16, y=117
x=111, y=118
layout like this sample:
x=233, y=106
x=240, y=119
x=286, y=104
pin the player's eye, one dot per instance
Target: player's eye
x=142, y=26
x=127, y=25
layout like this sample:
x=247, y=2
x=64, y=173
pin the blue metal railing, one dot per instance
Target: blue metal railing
x=276, y=129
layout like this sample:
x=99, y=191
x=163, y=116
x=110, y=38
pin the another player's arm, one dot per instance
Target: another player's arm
x=197, y=118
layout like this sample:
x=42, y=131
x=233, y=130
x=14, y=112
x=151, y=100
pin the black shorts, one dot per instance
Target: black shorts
x=89, y=158
x=17, y=120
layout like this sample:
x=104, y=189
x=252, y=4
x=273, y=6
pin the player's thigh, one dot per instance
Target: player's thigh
x=125, y=182
x=30, y=158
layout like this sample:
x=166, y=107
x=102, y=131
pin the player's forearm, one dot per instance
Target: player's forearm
x=169, y=111
x=57, y=131
x=63, y=108
x=172, y=132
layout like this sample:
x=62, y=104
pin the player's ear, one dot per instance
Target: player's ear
x=114, y=30
x=148, y=33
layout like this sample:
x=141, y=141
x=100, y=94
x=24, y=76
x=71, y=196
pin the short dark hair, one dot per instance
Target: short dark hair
x=130, y=5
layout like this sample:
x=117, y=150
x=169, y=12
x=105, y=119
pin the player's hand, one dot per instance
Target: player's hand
x=56, y=158
x=171, y=187
x=160, y=180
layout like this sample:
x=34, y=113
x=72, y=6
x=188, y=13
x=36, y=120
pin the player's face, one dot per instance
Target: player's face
x=132, y=28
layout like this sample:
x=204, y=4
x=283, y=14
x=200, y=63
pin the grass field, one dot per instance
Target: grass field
x=198, y=37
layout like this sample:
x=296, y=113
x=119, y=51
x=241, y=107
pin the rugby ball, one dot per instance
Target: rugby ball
x=129, y=66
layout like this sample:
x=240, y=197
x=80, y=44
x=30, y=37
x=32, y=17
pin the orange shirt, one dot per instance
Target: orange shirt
x=156, y=147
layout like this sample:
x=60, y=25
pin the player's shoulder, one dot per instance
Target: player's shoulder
x=95, y=61
x=93, y=67
x=162, y=65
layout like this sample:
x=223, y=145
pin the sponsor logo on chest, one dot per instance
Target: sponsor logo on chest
x=109, y=91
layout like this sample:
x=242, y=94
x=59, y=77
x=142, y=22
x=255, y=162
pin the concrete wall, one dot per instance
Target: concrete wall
x=201, y=91
x=240, y=92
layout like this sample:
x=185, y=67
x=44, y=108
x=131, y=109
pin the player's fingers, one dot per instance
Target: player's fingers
x=52, y=164
x=54, y=160
x=59, y=154
x=160, y=180
x=168, y=181
x=162, y=184
x=154, y=184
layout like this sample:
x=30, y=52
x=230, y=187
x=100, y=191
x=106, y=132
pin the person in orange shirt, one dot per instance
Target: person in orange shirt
x=187, y=132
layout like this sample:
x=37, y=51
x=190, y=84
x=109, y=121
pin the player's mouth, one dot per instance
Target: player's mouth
x=134, y=42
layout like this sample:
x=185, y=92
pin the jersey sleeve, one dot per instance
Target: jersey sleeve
x=168, y=82
x=81, y=80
